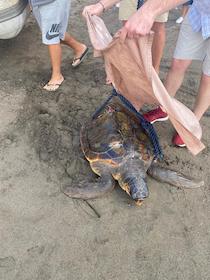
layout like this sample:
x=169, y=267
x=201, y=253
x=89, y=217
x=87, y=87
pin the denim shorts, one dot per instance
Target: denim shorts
x=53, y=20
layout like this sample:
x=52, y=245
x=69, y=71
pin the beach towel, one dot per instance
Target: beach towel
x=128, y=65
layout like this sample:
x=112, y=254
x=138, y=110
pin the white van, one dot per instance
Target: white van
x=13, y=14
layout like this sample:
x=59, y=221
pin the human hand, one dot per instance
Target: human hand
x=95, y=9
x=140, y=23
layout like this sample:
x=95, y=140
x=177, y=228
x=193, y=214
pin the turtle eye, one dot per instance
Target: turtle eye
x=99, y=116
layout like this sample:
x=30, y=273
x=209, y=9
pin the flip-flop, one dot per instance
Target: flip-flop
x=52, y=87
x=77, y=60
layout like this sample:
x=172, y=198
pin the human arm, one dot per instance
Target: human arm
x=99, y=7
x=140, y=23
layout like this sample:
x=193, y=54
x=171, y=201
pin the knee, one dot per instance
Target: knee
x=179, y=65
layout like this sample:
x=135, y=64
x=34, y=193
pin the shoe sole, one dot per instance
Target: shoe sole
x=160, y=120
x=180, y=146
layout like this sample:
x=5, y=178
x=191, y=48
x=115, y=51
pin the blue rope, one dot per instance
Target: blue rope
x=140, y=3
x=100, y=109
x=148, y=127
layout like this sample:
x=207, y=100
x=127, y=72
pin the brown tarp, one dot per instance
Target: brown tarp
x=128, y=65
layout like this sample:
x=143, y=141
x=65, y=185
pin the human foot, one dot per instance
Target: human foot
x=156, y=115
x=79, y=56
x=53, y=84
x=177, y=141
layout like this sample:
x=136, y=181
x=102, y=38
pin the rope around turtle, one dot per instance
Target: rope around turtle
x=140, y=3
x=147, y=126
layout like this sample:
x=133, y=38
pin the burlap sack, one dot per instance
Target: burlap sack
x=128, y=65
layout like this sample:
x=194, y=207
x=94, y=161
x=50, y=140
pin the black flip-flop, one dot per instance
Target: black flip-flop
x=79, y=59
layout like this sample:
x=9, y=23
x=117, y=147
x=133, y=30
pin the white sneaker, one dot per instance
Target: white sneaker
x=180, y=20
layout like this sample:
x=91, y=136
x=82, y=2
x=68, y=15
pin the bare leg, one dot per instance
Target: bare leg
x=55, y=57
x=175, y=78
x=203, y=98
x=174, y=81
x=158, y=44
x=184, y=10
x=175, y=75
x=71, y=42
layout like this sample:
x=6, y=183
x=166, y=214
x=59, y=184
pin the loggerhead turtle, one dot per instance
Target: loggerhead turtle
x=118, y=148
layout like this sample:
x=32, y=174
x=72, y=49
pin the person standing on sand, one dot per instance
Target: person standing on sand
x=193, y=44
x=52, y=17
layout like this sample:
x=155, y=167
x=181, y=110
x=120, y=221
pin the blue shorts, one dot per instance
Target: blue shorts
x=53, y=20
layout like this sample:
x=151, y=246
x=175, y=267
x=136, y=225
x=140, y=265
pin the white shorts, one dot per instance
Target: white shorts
x=129, y=7
x=191, y=45
x=53, y=20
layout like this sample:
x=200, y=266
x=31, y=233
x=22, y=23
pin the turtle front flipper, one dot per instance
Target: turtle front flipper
x=88, y=190
x=85, y=145
x=173, y=178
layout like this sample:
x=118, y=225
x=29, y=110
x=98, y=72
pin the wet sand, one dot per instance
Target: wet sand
x=46, y=235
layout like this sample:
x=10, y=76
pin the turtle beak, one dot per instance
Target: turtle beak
x=139, y=202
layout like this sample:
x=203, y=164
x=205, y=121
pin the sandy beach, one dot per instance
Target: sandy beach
x=45, y=235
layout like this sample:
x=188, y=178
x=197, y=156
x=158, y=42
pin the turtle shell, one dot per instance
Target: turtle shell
x=115, y=133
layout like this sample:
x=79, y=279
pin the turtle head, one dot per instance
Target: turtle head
x=136, y=187
x=132, y=178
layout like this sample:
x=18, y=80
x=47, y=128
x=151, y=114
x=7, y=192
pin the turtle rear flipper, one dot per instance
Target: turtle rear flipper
x=88, y=190
x=173, y=178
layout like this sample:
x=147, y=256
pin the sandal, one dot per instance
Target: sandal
x=53, y=87
x=77, y=60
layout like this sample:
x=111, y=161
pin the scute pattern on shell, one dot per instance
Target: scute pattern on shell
x=114, y=132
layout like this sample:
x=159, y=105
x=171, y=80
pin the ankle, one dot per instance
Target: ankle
x=56, y=77
x=80, y=49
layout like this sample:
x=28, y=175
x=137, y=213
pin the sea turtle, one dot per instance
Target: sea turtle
x=118, y=148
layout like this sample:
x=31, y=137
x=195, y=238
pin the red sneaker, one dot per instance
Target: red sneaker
x=177, y=141
x=156, y=115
